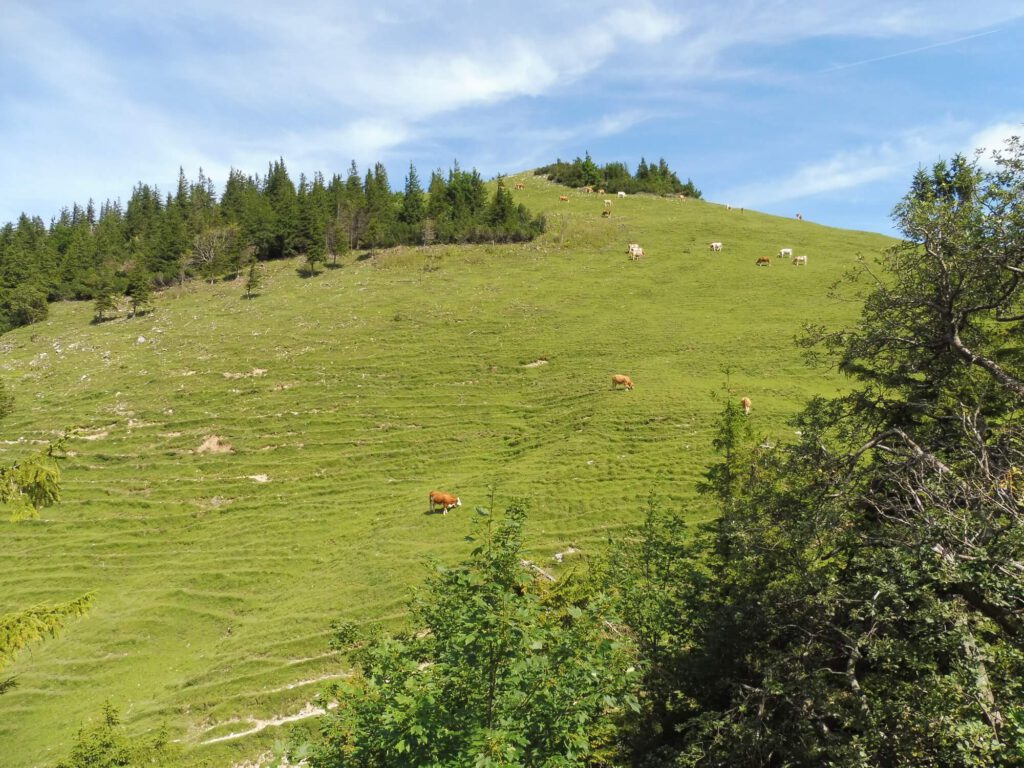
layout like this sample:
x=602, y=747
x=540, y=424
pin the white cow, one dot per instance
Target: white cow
x=635, y=252
x=622, y=194
x=784, y=252
x=716, y=246
x=607, y=203
x=798, y=260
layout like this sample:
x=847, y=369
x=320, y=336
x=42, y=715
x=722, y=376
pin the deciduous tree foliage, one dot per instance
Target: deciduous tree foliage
x=497, y=669
x=860, y=602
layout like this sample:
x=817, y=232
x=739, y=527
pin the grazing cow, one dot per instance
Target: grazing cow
x=563, y=198
x=763, y=261
x=635, y=252
x=520, y=185
x=622, y=379
x=607, y=203
x=444, y=500
x=588, y=190
x=798, y=260
x=622, y=194
x=745, y=404
x=784, y=252
x=606, y=214
x=600, y=191
x=715, y=246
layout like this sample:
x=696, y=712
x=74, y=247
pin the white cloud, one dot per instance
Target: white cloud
x=894, y=160
x=112, y=92
x=993, y=138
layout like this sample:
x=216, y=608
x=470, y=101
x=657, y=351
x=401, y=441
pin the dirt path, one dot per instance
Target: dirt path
x=306, y=712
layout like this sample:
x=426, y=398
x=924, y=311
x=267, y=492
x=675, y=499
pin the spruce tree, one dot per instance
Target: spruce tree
x=413, y=208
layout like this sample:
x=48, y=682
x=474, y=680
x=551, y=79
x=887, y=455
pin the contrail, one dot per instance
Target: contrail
x=838, y=67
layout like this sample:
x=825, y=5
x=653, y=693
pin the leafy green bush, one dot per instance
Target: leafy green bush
x=502, y=668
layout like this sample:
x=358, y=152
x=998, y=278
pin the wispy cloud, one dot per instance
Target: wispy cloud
x=97, y=96
x=894, y=160
x=910, y=51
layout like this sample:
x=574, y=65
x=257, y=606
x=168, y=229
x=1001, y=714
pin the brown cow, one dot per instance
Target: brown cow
x=444, y=500
x=606, y=213
x=622, y=379
x=520, y=185
x=763, y=261
x=745, y=404
x=563, y=198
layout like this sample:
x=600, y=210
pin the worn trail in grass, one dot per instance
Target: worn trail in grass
x=345, y=399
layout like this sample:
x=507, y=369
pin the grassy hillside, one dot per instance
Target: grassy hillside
x=346, y=398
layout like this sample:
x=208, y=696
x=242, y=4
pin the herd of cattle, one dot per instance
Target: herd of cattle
x=635, y=252
x=446, y=501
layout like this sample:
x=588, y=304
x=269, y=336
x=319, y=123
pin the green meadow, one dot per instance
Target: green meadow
x=340, y=401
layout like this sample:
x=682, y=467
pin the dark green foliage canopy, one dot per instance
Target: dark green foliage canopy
x=860, y=601
x=615, y=177
x=163, y=239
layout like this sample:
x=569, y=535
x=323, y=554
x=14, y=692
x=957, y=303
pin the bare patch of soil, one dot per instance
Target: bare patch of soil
x=215, y=444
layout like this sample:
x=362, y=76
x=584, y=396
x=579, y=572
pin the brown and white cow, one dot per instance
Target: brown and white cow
x=763, y=261
x=800, y=260
x=745, y=404
x=620, y=379
x=443, y=500
x=520, y=185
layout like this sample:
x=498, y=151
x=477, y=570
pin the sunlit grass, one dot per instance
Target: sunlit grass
x=346, y=398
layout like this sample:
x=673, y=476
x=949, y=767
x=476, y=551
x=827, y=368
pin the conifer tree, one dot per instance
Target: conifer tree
x=253, y=278
x=413, y=207
x=283, y=198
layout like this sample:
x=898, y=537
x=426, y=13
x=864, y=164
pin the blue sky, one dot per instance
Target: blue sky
x=823, y=108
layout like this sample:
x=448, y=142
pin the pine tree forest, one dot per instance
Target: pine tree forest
x=158, y=239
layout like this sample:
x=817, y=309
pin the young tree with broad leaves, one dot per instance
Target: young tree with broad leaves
x=499, y=667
